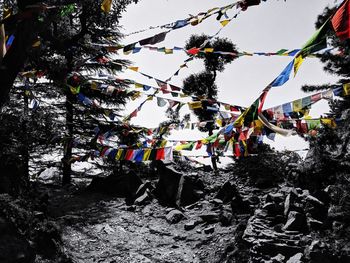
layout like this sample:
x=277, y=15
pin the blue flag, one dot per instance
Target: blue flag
x=284, y=76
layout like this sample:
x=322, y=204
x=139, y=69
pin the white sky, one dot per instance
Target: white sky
x=269, y=27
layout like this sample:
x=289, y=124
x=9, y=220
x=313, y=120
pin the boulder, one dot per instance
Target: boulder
x=187, y=193
x=227, y=192
x=144, y=199
x=174, y=216
x=119, y=185
x=175, y=189
x=296, y=222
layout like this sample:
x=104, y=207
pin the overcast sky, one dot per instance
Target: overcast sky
x=269, y=27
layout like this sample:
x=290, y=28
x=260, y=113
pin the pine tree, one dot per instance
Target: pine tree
x=202, y=85
x=63, y=39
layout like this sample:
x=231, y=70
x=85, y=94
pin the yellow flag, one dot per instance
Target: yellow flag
x=225, y=22
x=150, y=98
x=106, y=6
x=346, y=88
x=138, y=85
x=136, y=95
x=209, y=50
x=134, y=68
x=195, y=105
x=297, y=105
x=219, y=122
x=146, y=155
x=297, y=63
x=36, y=43
x=329, y=122
x=119, y=154
x=168, y=51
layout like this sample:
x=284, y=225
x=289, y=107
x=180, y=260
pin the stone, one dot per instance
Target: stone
x=143, y=187
x=210, y=218
x=225, y=218
x=187, y=193
x=209, y=230
x=167, y=185
x=119, y=185
x=174, y=216
x=190, y=225
x=295, y=222
x=289, y=202
x=275, y=197
x=175, y=189
x=316, y=208
x=296, y=258
x=144, y=199
x=227, y=192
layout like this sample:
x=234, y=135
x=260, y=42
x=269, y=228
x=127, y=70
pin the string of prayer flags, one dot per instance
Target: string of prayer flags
x=341, y=21
x=137, y=155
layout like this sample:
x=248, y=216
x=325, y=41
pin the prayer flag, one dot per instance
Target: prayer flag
x=195, y=105
x=284, y=76
x=209, y=50
x=106, y=6
x=346, y=88
x=317, y=42
x=297, y=63
x=297, y=105
x=225, y=22
x=146, y=155
x=160, y=154
x=161, y=102
x=168, y=153
x=134, y=68
x=341, y=21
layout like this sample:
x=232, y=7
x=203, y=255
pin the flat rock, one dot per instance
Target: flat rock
x=295, y=222
x=174, y=216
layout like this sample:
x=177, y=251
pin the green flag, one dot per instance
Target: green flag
x=317, y=42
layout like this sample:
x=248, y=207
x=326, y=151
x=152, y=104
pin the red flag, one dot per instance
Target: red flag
x=341, y=21
x=129, y=154
x=160, y=154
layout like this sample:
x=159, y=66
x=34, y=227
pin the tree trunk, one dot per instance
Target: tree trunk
x=67, y=169
x=15, y=57
x=2, y=42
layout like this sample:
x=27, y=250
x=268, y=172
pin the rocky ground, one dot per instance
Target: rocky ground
x=178, y=214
